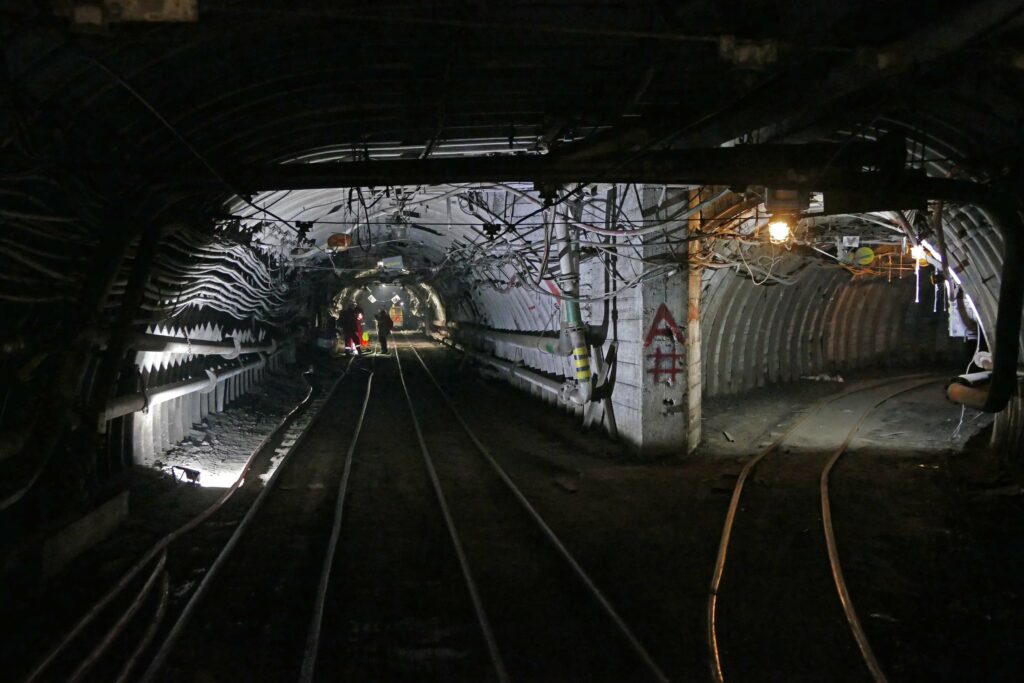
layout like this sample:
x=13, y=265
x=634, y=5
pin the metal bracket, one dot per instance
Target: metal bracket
x=213, y=382
x=231, y=355
x=606, y=381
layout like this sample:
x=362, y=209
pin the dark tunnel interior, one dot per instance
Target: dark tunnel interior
x=534, y=341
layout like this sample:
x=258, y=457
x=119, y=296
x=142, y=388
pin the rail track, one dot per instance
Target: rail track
x=110, y=640
x=594, y=654
x=399, y=548
x=475, y=498
x=389, y=544
x=798, y=658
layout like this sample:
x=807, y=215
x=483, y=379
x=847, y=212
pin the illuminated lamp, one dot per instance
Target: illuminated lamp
x=779, y=229
x=918, y=253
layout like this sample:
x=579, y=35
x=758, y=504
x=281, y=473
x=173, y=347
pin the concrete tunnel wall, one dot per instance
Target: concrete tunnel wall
x=753, y=335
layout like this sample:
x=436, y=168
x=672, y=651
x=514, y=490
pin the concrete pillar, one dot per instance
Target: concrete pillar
x=159, y=428
x=138, y=437
x=188, y=403
x=174, y=434
x=654, y=342
x=195, y=414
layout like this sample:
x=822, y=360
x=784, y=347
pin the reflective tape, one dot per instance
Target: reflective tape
x=582, y=357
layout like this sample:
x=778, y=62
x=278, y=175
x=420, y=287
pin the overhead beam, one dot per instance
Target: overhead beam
x=793, y=96
x=816, y=167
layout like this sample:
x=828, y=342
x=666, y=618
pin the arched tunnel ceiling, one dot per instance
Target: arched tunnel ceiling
x=147, y=107
x=280, y=80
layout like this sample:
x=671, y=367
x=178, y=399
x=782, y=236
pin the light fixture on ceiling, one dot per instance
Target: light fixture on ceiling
x=919, y=255
x=779, y=229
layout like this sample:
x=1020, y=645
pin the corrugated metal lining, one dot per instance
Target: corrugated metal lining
x=975, y=252
x=825, y=323
x=974, y=247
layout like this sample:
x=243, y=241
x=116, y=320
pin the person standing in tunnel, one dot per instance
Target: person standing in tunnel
x=384, y=326
x=359, y=326
x=349, y=323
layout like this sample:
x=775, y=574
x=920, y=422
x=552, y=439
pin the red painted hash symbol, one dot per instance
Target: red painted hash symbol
x=660, y=368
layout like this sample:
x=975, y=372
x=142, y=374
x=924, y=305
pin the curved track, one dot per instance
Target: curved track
x=810, y=454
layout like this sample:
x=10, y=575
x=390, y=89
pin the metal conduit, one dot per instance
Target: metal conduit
x=131, y=403
x=231, y=348
x=572, y=319
x=508, y=367
x=552, y=345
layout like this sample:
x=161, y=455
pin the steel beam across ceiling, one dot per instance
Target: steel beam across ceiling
x=867, y=168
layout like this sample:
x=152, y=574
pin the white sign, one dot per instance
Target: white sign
x=372, y=299
x=396, y=299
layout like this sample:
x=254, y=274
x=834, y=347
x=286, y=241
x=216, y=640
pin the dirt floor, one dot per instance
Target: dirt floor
x=929, y=531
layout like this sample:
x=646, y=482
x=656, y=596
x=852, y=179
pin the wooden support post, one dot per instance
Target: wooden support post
x=694, y=379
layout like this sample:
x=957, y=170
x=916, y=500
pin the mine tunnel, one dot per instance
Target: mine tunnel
x=520, y=341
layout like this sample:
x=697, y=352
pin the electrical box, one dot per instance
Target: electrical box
x=791, y=202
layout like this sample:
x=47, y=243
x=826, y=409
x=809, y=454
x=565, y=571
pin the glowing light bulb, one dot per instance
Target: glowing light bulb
x=918, y=253
x=778, y=231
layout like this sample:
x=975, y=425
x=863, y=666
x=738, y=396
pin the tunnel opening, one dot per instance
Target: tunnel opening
x=631, y=259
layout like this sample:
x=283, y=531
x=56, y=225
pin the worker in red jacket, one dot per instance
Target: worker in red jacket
x=350, y=322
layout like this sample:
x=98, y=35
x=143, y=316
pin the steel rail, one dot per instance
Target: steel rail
x=605, y=604
x=833, y=547
x=485, y=625
x=122, y=622
x=309, y=655
x=197, y=597
x=150, y=633
x=100, y=605
x=717, y=673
